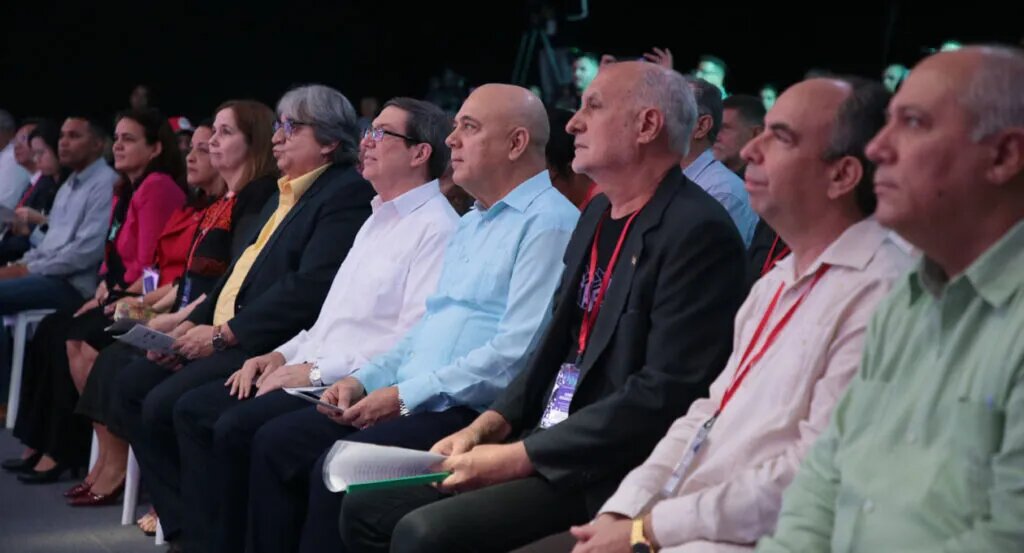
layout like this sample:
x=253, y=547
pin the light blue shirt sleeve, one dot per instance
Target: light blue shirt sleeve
x=476, y=378
x=382, y=371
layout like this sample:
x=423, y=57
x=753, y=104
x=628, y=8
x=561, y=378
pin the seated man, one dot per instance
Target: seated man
x=273, y=289
x=379, y=292
x=492, y=301
x=798, y=336
x=60, y=270
x=653, y=278
x=701, y=167
x=742, y=121
x=925, y=452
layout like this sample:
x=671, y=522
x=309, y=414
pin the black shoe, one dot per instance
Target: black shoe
x=48, y=476
x=22, y=465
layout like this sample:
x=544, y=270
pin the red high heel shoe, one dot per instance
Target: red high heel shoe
x=90, y=499
x=78, y=490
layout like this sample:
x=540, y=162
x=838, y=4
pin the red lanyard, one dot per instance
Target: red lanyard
x=202, y=232
x=744, y=367
x=590, y=315
x=772, y=259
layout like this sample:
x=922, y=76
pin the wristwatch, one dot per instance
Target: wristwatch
x=219, y=343
x=314, y=375
x=638, y=543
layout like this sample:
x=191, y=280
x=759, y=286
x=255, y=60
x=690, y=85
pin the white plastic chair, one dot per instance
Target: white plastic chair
x=131, y=490
x=22, y=322
x=94, y=451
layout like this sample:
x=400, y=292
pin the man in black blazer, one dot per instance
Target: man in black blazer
x=621, y=359
x=273, y=289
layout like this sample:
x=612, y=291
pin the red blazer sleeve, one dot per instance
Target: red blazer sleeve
x=152, y=205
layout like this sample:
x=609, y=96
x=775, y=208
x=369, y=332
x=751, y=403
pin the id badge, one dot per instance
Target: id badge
x=186, y=291
x=150, y=280
x=561, y=396
x=679, y=472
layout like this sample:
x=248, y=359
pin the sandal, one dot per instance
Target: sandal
x=148, y=523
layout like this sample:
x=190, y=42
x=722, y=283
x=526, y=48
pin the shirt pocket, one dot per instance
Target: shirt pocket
x=385, y=292
x=966, y=474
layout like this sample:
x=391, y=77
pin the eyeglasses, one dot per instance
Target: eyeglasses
x=378, y=133
x=289, y=126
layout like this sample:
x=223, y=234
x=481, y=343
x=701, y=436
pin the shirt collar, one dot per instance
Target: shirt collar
x=995, y=275
x=523, y=195
x=854, y=249
x=298, y=186
x=698, y=166
x=36, y=176
x=411, y=200
x=88, y=172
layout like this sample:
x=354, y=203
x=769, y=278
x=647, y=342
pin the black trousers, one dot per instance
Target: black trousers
x=145, y=394
x=290, y=508
x=46, y=416
x=215, y=433
x=423, y=520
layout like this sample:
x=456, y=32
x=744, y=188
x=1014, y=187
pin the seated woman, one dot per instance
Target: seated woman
x=236, y=166
x=146, y=155
x=39, y=196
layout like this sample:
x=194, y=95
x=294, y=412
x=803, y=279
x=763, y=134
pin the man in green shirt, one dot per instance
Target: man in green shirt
x=925, y=453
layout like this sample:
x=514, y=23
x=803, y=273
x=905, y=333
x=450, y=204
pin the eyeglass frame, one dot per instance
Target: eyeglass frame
x=289, y=125
x=377, y=134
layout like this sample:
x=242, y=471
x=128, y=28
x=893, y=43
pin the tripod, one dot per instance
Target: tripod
x=549, y=68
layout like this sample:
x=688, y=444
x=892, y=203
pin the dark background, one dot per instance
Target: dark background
x=74, y=56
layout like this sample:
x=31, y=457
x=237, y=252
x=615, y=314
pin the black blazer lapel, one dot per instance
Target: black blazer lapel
x=622, y=275
x=319, y=184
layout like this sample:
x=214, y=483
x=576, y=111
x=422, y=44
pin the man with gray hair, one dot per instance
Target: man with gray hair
x=653, y=275
x=14, y=179
x=780, y=385
x=925, y=452
x=273, y=290
x=700, y=165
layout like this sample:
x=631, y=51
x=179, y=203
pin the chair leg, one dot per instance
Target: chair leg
x=131, y=490
x=159, y=534
x=94, y=451
x=17, y=363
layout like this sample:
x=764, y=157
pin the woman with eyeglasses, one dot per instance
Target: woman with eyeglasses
x=38, y=199
x=273, y=290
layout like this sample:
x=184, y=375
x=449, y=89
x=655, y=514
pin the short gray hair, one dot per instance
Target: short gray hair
x=709, y=102
x=7, y=123
x=329, y=113
x=666, y=90
x=995, y=93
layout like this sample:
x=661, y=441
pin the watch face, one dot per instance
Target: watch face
x=641, y=548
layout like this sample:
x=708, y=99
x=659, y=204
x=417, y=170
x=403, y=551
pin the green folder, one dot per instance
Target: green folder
x=398, y=482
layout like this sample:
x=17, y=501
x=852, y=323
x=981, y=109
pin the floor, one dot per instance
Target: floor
x=35, y=519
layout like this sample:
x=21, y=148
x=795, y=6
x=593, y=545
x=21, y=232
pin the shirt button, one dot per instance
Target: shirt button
x=869, y=506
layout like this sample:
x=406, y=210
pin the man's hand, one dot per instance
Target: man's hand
x=485, y=465
x=197, y=342
x=660, y=57
x=379, y=406
x=459, y=442
x=608, y=533
x=343, y=393
x=283, y=377
x=13, y=271
x=241, y=381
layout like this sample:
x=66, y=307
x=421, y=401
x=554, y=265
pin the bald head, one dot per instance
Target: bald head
x=514, y=106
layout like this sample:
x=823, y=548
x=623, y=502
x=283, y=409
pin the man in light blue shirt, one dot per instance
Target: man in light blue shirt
x=492, y=302
x=701, y=167
x=67, y=245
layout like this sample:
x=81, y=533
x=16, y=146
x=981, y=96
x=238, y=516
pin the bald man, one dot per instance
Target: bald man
x=653, y=276
x=492, y=301
x=925, y=452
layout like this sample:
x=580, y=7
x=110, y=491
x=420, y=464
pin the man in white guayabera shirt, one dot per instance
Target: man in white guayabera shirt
x=797, y=340
x=380, y=292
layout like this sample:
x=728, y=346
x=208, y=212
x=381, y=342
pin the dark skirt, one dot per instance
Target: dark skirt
x=89, y=328
x=97, y=399
x=46, y=418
